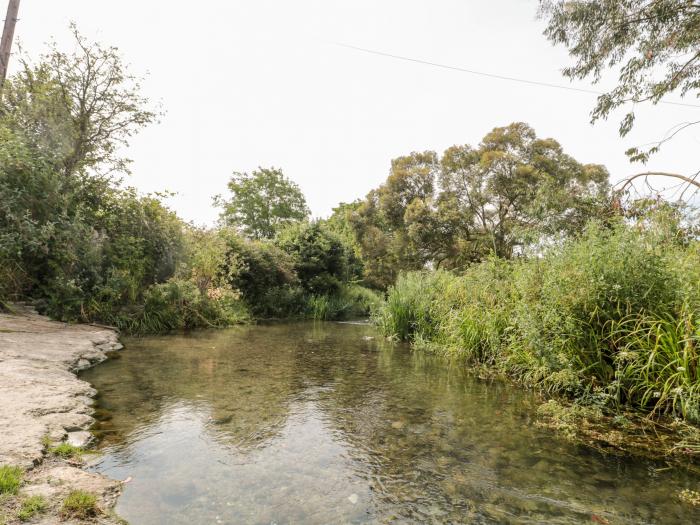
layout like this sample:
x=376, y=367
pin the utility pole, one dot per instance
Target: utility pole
x=8, y=33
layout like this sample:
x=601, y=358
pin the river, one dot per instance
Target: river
x=308, y=423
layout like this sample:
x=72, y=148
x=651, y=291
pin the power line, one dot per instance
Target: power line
x=492, y=75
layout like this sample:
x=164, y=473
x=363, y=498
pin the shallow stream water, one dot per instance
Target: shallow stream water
x=314, y=423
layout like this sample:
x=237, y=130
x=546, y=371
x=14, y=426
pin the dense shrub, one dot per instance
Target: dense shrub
x=609, y=318
x=302, y=274
x=319, y=257
x=180, y=305
x=264, y=275
x=349, y=302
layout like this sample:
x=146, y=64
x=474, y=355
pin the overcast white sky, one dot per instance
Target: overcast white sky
x=249, y=83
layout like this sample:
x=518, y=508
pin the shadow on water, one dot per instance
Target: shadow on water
x=325, y=423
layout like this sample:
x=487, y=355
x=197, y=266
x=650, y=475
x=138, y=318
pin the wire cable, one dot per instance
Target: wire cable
x=492, y=75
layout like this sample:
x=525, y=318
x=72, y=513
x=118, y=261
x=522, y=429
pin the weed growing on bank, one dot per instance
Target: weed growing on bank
x=609, y=319
x=10, y=479
x=30, y=507
x=66, y=450
x=79, y=504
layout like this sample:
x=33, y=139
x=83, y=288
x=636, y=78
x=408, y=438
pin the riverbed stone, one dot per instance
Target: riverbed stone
x=80, y=439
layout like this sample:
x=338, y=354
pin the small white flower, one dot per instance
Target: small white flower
x=681, y=369
x=657, y=394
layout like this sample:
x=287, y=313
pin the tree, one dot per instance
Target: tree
x=84, y=105
x=380, y=222
x=262, y=202
x=515, y=189
x=70, y=237
x=655, y=45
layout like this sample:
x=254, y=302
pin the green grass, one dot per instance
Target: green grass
x=10, y=479
x=351, y=302
x=66, y=450
x=610, y=320
x=79, y=504
x=30, y=507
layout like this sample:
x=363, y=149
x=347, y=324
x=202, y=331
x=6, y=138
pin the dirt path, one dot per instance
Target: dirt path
x=43, y=403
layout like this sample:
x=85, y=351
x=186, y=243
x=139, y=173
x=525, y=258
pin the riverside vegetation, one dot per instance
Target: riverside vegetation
x=83, y=247
x=509, y=255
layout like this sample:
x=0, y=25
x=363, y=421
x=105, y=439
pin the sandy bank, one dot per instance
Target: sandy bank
x=42, y=400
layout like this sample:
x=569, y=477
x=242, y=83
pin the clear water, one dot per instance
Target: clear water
x=325, y=423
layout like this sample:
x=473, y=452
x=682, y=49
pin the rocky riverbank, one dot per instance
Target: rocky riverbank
x=43, y=404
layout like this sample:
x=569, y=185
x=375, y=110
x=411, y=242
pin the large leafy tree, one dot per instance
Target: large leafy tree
x=82, y=105
x=262, y=202
x=380, y=222
x=653, y=44
x=512, y=191
x=516, y=189
x=70, y=236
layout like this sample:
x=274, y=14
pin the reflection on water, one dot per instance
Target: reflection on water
x=323, y=423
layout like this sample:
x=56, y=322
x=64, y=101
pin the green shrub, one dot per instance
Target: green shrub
x=264, y=275
x=350, y=302
x=79, y=504
x=609, y=318
x=179, y=305
x=320, y=259
x=30, y=507
x=10, y=479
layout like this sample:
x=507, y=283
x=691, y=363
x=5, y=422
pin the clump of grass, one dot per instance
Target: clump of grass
x=350, y=301
x=10, y=479
x=79, y=504
x=66, y=450
x=30, y=507
x=657, y=363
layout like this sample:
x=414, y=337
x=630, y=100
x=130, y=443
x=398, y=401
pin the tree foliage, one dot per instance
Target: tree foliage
x=653, y=44
x=83, y=105
x=512, y=191
x=262, y=202
x=321, y=260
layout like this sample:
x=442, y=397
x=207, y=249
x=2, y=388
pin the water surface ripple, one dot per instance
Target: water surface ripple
x=315, y=423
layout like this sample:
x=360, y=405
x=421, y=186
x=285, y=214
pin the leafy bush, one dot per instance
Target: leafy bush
x=350, y=302
x=264, y=275
x=320, y=259
x=609, y=318
x=180, y=305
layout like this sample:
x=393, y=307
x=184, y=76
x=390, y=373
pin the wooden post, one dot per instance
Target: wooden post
x=7, y=35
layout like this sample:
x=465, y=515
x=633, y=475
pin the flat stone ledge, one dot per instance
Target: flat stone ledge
x=40, y=397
